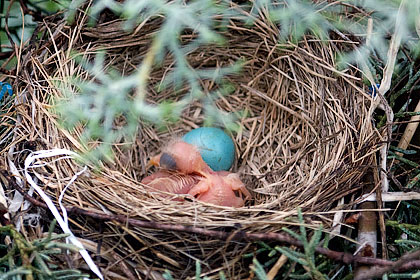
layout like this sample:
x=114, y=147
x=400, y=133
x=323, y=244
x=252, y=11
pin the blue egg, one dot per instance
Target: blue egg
x=215, y=146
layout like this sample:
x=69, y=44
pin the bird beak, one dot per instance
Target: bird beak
x=154, y=161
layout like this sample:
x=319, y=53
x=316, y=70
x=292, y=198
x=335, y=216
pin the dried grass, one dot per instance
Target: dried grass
x=305, y=141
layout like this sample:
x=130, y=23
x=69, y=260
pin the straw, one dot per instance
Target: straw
x=305, y=141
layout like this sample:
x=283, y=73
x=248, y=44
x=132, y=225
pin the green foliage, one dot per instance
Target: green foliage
x=301, y=264
x=403, y=230
x=124, y=97
x=258, y=270
x=403, y=276
x=111, y=106
x=22, y=26
x=306, y=258
x=35, y=259
x=388, y=17
x=205, y=19
x=16, y=21
x=297, y=18
x=411, y=180
x=48, y=6
x=411, y=242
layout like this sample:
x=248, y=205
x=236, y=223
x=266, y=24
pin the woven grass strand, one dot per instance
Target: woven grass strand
x=304, y=141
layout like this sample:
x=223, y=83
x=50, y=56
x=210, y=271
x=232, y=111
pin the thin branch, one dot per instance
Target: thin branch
x=410, y=130
x=237, y=235
x=378, y=271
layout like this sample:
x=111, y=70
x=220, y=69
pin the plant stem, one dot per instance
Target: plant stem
x=343, y=257
x=400, y=225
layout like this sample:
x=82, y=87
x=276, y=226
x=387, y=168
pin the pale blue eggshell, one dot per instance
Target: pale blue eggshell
x=215, y=146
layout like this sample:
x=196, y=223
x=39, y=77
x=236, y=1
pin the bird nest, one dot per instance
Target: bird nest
x=305, y=140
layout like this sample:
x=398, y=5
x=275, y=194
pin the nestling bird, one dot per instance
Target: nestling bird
x=171, y=182
x=221, y=188
x=182, y=157
x=185, y=172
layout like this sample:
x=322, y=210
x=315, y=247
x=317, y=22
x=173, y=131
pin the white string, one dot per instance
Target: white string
x=17, y=200
x=60, y=198
x=62, y=223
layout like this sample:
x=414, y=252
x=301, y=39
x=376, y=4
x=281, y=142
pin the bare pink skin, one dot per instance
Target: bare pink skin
x=186, y=156
x=191, y=175
x=222, y=188
x=172, y=182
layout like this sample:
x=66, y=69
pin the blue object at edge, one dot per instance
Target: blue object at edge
x=5, y=88
x=372, y=90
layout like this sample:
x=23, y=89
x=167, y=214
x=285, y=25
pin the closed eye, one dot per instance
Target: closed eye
x=168, y=162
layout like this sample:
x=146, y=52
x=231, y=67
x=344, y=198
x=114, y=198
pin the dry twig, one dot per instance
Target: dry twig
x=410, y=130
x=407, y=262
x=305, y=140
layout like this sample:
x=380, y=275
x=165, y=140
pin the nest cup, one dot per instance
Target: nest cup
x=304, y=142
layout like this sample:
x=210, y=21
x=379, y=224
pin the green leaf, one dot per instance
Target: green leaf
x=403, y=151
x=292, y=233
x=303, y=237
x=316, y=238
x=15, y=272
x=167, y=275
x=197, y=270
x=259, y=270
x=293, y=255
